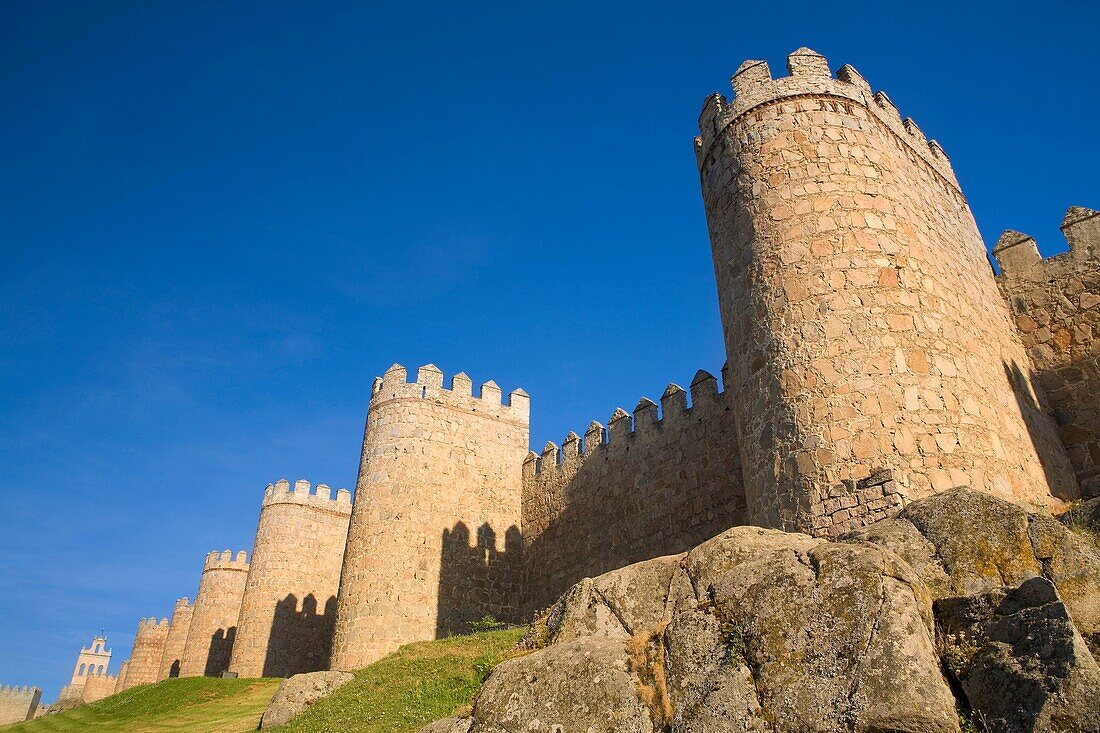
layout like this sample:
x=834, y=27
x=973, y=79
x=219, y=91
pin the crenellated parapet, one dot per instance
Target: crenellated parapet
x=18, y=703
x=623, y=427
x=809, y=77
x=655, y=481
x=394, y=384
x=226, y=560
x=152, y=625
x=281, y=492
x=1055, y=303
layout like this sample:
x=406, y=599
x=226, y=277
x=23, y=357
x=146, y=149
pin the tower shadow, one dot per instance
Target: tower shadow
x=477, y=580
x=221, y=647
x=300, y=639
x=1036, y=417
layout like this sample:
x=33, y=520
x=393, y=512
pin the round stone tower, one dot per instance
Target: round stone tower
x=439, y=490
x=871, y=357
x=214, y=618
x=146, y=653
x=289, y=607
x=172, y=658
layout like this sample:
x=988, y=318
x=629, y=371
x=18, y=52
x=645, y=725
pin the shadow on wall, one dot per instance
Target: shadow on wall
x=1061, y=483
x=476, y=579
x=174, y=670
x=300, y=641
x=221, y=646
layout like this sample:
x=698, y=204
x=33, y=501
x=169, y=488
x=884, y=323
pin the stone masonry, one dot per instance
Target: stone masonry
x=664, y=482
x=18, y=703
x=434, y=461
x=146, y=654
x=178, y=627
x=289, y=608
x=863, y=326
x=214, y=620
x=1056, y=305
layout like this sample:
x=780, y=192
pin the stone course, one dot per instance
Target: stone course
x=289, y=607
x=214, y=619
x=1056, y=306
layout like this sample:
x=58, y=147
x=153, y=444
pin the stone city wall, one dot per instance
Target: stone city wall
x=18, y=703
x=180, y=625
x=863, y=326
x=288, y=612
x=214, y=619
x=1056, y=305
x=97, y=687
x=660, y=484
x=439, y=468
x=120, y=680
x=146, y=654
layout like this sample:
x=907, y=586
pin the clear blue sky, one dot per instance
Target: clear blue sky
x=219, y=221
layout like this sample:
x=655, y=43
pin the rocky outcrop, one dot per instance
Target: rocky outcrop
x=960, y=601
x=1020, y=660
x=297, y=693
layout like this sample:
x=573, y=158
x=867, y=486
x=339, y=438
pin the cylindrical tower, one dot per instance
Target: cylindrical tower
x=214, y=618
x=289, y=607
x=172, y=658
x=870, y=354
x=439, y=488
x=145, y=656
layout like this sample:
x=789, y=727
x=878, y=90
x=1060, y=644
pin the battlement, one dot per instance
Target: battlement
x=19, y=691
x=225, y=560
x=623, y=427
x=1017, y=254
x=183, y=602
x=152, y=624
x=281, y=492
x=753, y=86
x=428, y=385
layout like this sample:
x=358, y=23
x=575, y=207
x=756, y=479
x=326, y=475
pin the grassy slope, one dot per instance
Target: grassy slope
x=192, y=705
x=409, y=689
x=401, y=693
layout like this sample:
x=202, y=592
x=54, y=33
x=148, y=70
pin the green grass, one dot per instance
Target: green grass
x=410, y=688
x=191, y=705
x=401, y=693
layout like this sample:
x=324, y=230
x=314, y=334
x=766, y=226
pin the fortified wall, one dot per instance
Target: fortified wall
x=1056, y=306
x=146, y=654
x=120, y=680
x=655, y=483
x=863, y=327
x=214, y=619
x=174, y=644
x=434, y=534
x=288, y=612
x=18, y=703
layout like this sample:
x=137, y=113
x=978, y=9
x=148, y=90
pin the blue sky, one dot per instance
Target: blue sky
x=219, y=221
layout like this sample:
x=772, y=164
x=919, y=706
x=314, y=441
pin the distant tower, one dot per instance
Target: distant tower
x=145, y=656
x=865, y=334
x=214, y=619
x=437, y=463
x=92, y=660
x=174, y=645
x=289, y=607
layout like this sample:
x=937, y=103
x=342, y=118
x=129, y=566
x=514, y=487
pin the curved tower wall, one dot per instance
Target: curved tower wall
x=120, y=680
x=434, y=535
x=214, y=619
x=144, y=666
x=172, y=658
x=871, y=357
x=289, y=607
